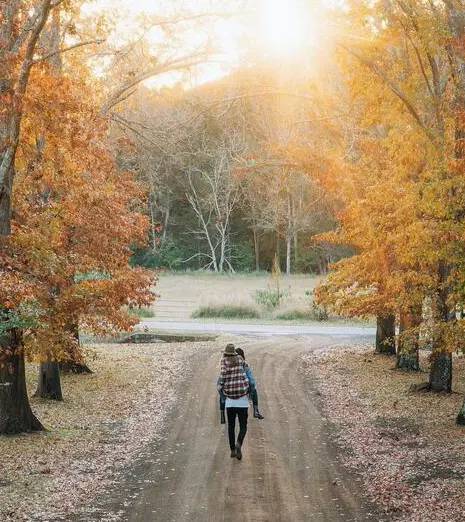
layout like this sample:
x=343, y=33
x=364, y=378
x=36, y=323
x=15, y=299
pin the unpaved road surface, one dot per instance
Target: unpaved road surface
x=289, y=471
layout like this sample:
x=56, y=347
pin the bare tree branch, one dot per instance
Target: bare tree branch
x=67, y=49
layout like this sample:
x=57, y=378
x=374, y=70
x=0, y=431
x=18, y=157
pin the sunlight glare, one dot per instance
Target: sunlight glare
x=289, y=26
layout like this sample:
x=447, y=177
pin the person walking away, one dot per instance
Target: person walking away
x=234, y=384
x=253, y=394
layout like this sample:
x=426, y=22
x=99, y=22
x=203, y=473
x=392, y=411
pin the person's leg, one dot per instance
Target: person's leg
x=254, y=396
x=242, y=414
x=254, y=399
x=231, y=413
x=222, y=407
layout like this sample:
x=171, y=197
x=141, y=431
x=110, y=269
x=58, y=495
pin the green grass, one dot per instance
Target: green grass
x=142, y=312
x=226, y=312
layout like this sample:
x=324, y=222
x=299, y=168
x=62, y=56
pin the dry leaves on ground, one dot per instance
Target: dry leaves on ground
x=406, y=445
x=102, y=424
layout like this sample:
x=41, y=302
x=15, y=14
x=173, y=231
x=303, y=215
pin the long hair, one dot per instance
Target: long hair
x=240, y=352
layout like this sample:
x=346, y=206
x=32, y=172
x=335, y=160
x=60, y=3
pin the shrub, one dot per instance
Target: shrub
x=319, y=313
x=167, y=255
x=227, y=311
x=315, y=313
x=269, y=298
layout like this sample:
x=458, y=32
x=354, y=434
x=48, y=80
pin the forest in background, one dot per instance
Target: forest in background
x=224, y=193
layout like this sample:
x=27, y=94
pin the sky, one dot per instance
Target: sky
x=281, y=30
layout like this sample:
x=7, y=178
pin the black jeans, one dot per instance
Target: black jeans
x=242, y=414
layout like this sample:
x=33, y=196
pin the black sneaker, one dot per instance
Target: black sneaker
x=238, y=452
x=233, y=454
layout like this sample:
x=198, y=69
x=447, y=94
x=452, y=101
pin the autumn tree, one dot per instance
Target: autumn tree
x=61, y=265
x=404, y=82
x=21, y=24
x=84, y=210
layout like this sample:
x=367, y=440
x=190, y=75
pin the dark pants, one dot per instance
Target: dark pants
x=253, y=398
x=242, y=414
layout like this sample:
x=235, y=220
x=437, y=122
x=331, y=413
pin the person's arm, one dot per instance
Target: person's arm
x=220, y=381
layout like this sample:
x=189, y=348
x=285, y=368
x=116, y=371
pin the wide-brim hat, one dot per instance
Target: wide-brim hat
x=230, y=349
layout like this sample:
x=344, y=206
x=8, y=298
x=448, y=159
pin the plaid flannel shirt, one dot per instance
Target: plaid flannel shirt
x=233, y=379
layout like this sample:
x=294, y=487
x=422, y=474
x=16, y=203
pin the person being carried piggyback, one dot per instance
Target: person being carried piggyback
x=236, y=384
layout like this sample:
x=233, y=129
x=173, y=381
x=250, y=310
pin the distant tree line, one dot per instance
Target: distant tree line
x=224, y=195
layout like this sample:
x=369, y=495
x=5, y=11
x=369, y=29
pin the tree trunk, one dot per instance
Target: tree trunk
x=76, y=363
x=166, y=221
x=296, y=250
x=256, y=246
x=289, y=234
x=385, y=335
x=152, y=226
x=278, y=248
x=5, y=203
x=223, y=239
x=49, y=385
x=441, y=363
x=440, y=375
x=288, y=254
x=15, y=411
x=407, y=349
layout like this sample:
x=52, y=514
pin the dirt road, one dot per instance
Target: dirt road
x=289, y=470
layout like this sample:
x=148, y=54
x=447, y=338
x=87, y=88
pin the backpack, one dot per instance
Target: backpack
x=235, y=381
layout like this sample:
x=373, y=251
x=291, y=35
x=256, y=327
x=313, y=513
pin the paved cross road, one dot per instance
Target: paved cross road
x=255, y=329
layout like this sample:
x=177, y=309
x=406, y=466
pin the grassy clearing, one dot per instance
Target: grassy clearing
x=219, y=275
x=182, y=295
x=204, y=295
x=226, y=312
